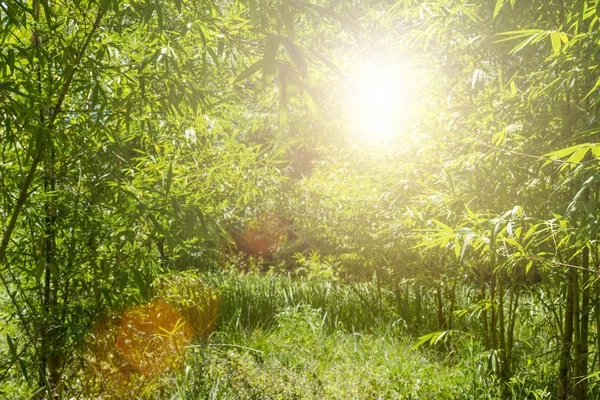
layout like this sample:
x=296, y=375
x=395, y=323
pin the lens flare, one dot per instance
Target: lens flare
x=382, y=102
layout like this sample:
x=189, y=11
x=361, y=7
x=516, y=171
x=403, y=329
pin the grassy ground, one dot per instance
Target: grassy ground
x=301, y=359
x=284, y=338
x=281, y=338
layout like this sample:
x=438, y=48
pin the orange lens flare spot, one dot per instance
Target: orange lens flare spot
x=153, y=338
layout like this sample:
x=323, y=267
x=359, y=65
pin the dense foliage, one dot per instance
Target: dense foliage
x=143, y=138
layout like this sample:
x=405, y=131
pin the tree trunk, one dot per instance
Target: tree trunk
x=581, y=366
x=567, y=342
x=452, y=300
x=440, y=307
x=484, y=318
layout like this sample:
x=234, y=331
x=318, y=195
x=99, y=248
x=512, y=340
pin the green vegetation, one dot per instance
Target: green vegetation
x=299, y=199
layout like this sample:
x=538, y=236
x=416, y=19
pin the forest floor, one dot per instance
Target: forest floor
x=284, y=338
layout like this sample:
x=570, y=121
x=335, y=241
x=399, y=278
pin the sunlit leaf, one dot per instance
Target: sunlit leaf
x=296, y=55
x=556, y=41
x=248, y=72
x=497, y=8
x=283, y=101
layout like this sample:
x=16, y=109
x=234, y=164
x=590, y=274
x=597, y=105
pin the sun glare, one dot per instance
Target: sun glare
x=381, y=96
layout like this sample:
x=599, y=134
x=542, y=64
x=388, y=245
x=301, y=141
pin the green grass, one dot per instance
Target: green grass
x=285, y=338
x=252, y=301
x=300, y=358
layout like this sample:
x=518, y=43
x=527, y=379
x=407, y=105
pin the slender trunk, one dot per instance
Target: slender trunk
x=581, y=369
x=398, y=294
x=493, y=322
x=163, y=259
x=565, y=358
x=597, y=302
x=576, y=330
x=484, y=317
x=407, y=311
x=452, y=301
x=49, y=363
x=378, y=282
x=511, y=327
x=501, y=328
x=418, y=305
x=440, y=307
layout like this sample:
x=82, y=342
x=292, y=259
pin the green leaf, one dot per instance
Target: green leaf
x=331, y=65
x=465, y=245
x=148, y=10
x=556, y=42
x=593, y=89
x=7, y=88
x=140, y=283
x=270, y=56
x=253, y=12
x=311, y=103
x=15, y=356
x=283, y=101
x=568, y=151
x=12, y=347
x=288, y=19
x=513, y=35
x=321, y=10
x=432, y=338
x=296, y=55
x=169, y=179
x=251, y=70
x=443, y=226
x=497, y=8
x=577, y=156
x=531, y=35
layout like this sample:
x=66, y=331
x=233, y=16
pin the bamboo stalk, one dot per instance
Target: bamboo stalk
x=565, y=357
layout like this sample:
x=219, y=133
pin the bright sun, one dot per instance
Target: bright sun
x=381, y=103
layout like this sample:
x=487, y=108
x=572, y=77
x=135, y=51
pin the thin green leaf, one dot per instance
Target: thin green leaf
x=555, y=40
x=497, y=8
x=296, y=55
x=270, y=56
x=169, y=179
x=251, y=70
x=283, y=101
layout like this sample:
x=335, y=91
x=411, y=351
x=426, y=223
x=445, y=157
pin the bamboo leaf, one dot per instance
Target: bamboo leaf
x=497, y=8
x=443, y=226
x=577, y=156
x=310, y=102
x=562, y=153
x=15, y=356
x=321, y=10
x=283, y=101
x=513, y=35
x=432, y=338
x=251, y=70
x=331, y=65
x=296, y=55
x=555, y=40
x=270, y=55
x=593, y=89
x=169, y=179
x=288, y=20
x=140, y=283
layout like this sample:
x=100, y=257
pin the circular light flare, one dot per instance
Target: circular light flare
x=381, y=103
